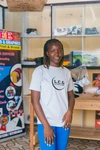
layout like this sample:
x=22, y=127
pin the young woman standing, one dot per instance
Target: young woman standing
x=53, y=98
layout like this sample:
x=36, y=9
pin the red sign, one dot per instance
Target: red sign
x=8, y=35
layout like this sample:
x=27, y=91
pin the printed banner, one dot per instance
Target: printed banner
x=11, y=102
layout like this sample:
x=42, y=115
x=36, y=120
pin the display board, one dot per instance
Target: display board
x=11, y=102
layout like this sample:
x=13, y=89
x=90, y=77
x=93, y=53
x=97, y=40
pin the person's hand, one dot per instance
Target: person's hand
x=67, y=119
x=48, y=135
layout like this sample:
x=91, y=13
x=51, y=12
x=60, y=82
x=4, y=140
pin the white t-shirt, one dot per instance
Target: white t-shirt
x=53, y=83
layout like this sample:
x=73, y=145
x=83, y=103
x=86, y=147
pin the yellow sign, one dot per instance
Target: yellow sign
x=9, y=47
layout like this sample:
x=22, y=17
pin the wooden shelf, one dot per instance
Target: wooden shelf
x=84, y=102
x=27, y=95
x=87, y=104
x=85, y=133
x=69, y=67
x=35, y=138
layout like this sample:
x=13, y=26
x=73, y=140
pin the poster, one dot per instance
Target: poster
x=11, y=102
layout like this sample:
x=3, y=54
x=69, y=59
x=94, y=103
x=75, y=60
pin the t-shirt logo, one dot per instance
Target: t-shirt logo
x=58, y=84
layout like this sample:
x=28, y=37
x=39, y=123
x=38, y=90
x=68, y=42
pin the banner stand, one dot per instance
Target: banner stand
x=11, y=101
x=10, y=138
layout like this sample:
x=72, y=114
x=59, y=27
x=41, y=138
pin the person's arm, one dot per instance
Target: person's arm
x=48, y=132
x=67, y=119
x=71, y=101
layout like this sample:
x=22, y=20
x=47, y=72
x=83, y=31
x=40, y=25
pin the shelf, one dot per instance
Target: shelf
x=35, y=36
x=75, y=3
x=85, y=35
x=27, y=95
x=29, y=66
x=91, y=35
x=83, y=103
x=65, y=36
x=85, y=133
x=35, y=138
x=88, y=67
x=69, y=67
x=91, y=104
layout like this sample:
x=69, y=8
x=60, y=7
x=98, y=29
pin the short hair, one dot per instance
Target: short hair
x=46, y=46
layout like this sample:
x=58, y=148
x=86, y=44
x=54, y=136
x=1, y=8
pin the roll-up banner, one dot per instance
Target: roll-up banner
x=11, y=102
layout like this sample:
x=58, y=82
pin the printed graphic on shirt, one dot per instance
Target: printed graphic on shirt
x=58, y=84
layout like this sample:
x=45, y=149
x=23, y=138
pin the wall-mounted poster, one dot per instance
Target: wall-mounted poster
x=11, y=102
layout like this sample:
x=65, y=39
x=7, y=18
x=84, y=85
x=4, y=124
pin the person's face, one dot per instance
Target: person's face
x=55, y=54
